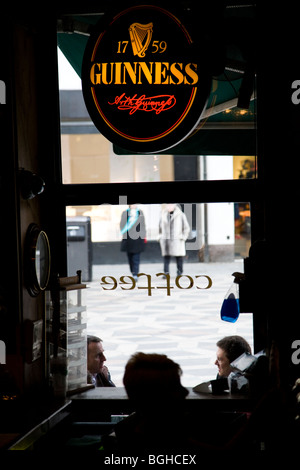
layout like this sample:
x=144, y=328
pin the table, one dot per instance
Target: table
x=100, y=403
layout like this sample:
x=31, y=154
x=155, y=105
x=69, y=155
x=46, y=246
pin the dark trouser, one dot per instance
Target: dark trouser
x=134, y=263
x=179, y=262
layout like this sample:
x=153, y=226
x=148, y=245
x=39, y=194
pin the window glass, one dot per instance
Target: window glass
x=178, y=316
x=88, y=157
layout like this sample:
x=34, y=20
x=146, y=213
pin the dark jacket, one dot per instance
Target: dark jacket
x=133, y=232
x=102, y=380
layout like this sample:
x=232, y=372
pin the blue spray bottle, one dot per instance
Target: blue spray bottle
x=230, y=309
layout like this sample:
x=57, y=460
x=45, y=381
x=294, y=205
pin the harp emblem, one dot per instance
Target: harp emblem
x=140, y=37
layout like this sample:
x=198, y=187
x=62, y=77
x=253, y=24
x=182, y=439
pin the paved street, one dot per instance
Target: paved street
x=185, y=325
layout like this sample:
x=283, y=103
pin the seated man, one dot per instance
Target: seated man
x=152, y=381
x=160, y=422
x=229, y=349
x=98, y=373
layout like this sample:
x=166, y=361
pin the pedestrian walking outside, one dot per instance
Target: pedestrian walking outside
x=174, y=230
x=133, y=230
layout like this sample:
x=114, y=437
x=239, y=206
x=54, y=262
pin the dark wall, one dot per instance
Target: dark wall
x=27, y=122
x=110, y=253
x=10, y=282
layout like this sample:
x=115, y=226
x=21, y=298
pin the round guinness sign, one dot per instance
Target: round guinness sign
x=142, y=86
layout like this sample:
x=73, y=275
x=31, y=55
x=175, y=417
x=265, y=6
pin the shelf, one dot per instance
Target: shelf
x=76, y=362
x=73, y=309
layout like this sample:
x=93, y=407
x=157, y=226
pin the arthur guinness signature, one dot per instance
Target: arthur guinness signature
x=157, y=103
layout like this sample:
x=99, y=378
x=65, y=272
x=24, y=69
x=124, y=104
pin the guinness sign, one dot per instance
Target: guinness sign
x=143, y=87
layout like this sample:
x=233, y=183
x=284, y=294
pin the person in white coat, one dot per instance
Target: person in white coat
x=174, y=230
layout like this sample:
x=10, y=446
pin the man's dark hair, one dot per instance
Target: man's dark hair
x=234, y=346
x=151, y=378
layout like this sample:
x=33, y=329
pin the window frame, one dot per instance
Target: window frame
x=184, y=192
